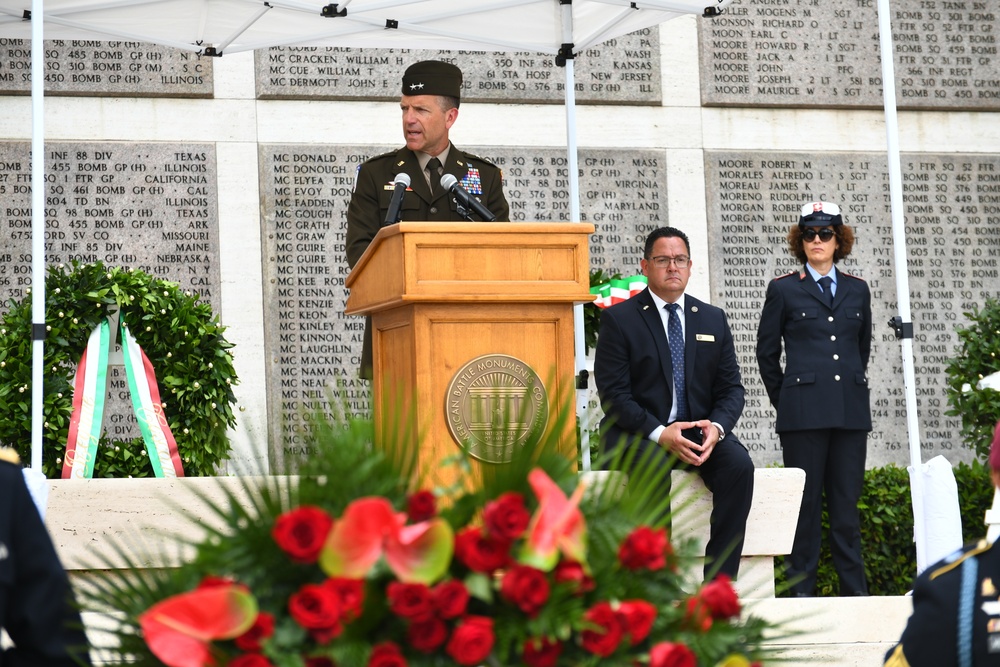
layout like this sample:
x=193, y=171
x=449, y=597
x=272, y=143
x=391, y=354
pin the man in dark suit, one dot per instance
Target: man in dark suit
x=956, y=605
x=431, y=94
x=669, y=382
x=36, y=604
x=823, y=316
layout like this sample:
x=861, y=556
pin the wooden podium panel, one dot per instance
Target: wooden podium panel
x=442, y=295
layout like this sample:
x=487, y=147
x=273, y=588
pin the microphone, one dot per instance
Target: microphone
x=465, y=200
x=400, y=183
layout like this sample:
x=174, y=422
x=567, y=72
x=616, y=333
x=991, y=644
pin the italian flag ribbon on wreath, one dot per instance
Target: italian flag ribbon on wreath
x=89, y=392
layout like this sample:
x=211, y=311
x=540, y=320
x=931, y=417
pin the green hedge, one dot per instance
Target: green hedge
x=887, y=528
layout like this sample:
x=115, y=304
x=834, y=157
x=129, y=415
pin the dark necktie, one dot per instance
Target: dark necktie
x=434, y=171
x=676, y=342
x=826, y=282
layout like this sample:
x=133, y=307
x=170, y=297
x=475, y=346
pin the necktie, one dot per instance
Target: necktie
x=676, y=342
x=826, y=282
x=434, y=171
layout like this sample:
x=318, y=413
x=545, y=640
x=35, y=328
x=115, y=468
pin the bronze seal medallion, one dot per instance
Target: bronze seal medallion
x=494, y=404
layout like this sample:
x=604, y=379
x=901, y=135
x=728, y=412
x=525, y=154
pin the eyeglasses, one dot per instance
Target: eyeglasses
x=662, y=261
x=809, y=234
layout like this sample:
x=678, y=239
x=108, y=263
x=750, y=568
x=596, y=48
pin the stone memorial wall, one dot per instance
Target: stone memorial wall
x=953, y=249
x=625, y=70
x=826, y=54
x=133, y=69
x=147, y=206
x=314, y=349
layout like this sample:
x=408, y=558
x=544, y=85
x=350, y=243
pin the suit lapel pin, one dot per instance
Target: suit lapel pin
x=645, y=307
x=694, y=309
x=400, y=163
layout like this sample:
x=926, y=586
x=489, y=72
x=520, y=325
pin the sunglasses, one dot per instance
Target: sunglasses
x=809, y=234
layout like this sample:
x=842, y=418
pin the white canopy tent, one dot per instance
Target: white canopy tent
x=561, y=28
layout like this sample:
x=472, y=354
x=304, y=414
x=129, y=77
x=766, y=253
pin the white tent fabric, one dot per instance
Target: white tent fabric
x=230, y=26
x=216, y=27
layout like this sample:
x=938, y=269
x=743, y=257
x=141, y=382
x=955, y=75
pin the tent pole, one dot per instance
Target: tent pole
x=572, y=162
x=902, y=276
x=37, y=231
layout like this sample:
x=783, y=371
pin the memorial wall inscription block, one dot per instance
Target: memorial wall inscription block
x=826, y=54
x=314, y=350
x=626, y=69
x=952, y=235
x=138, y=206
x=132, y=69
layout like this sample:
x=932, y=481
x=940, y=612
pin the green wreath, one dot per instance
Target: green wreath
x=977, y=356
x=179, y=334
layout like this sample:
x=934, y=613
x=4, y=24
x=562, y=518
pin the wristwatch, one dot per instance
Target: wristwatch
x=722, y=431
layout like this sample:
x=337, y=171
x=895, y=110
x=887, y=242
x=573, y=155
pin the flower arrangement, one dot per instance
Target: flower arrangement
x=523, y=566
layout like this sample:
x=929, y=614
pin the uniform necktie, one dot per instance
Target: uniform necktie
x=676, y=342
x=826, y=282
x=434, y=171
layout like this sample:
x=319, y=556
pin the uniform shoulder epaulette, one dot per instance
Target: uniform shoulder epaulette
x=470, y=156
x=849, y=275
x=790, y=273
x=956, y=559
x=380, y=157
x=9, y=454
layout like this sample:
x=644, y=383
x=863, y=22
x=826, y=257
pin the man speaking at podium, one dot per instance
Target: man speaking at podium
x=431, y=93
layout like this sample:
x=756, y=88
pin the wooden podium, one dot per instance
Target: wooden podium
x=459, y=310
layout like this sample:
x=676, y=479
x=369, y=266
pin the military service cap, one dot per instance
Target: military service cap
x=433, y=77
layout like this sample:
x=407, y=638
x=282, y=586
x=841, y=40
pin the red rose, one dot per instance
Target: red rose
x=320, y=661
x=421, y=506
x=541, y=652
x=301, y=532
x=667, y=654
x=637, y=617
x=697, y=615
x=525, y=587
x=471, y=641
x=645, y=548
x=315, y=607
x=250, y=660
x=450, y=598
x=410, y=601
x=479, y=552
x=386, y=654
x=427, y=636
x=506, y=517
x=571, y=572
x=720, y=598
x=603, y=640
x=262, y=628
x=351, y=593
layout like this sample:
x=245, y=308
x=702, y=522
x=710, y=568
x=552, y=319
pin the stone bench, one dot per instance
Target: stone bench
x=770, y=527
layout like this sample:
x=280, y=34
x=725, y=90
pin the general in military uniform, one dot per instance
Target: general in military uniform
x=823, y=317
x=956, y=606
x=36, y=605
x=430, y=100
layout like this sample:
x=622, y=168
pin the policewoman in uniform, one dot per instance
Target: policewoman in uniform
x=822, y=316
x=36, y=604
x=429, y=103
x=956, y=605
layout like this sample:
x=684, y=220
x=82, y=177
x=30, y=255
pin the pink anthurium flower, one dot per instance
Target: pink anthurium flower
x=556, y=527
x=178, y=630
x=370, y=529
